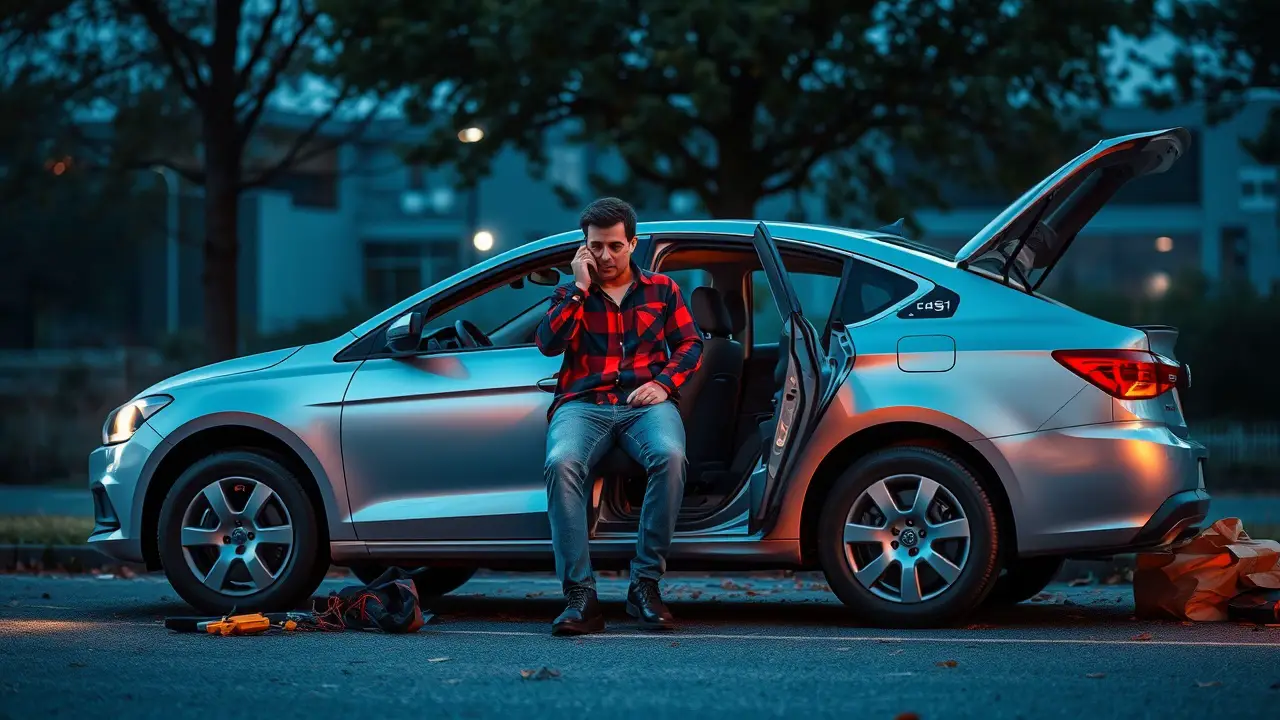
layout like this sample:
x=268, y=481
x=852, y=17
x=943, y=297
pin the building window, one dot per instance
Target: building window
x=417, y=178
x=395, y=271
x=308, y=189
x=1258, y=189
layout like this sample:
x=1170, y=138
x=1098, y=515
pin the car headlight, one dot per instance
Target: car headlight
x=125, y=420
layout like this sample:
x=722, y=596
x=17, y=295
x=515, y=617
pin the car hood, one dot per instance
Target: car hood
x=235, y=366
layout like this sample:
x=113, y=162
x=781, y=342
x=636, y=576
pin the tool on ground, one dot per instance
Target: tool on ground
x=246, y=624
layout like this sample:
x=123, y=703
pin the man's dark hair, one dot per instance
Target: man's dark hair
x=607, y=212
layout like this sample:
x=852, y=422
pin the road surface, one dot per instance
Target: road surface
x=747, y=648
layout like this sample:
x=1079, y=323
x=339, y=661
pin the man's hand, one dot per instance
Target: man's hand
x=650, y=393
x=583, y=263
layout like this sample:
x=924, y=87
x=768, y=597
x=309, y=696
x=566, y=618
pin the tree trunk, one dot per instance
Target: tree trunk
x=221, y=244
x=732, y=204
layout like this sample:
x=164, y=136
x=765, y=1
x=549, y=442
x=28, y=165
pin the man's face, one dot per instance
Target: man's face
x=611, y=248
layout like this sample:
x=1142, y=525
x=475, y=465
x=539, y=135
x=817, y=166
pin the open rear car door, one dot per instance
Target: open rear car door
x=807, y=387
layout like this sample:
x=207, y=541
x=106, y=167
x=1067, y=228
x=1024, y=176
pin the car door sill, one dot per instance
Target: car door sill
x=739, y=550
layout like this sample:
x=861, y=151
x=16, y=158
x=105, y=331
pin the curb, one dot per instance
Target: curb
x=80, y=558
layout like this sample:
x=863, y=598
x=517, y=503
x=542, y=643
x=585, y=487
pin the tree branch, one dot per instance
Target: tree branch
x=175, y=47
x=278, y=65
x=259, y=47
x=296, y=156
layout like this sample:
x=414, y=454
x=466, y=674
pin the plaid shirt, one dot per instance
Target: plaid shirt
x=611, y=350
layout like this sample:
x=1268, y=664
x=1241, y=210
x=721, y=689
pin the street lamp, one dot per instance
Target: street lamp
x=171, y=246
x=483, y=241
x=470, y=135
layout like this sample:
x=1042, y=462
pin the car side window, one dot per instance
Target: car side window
x=871, y=290
x=502, y=302
x=816, y=291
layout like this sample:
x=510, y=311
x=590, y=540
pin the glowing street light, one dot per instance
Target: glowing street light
x=470, y=135
x=1164, y=244
x=483, y=241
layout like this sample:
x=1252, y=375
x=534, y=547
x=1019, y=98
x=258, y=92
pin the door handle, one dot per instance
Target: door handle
x=547, y=384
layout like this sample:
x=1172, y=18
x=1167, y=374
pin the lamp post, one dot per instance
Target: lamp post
x=171, y=247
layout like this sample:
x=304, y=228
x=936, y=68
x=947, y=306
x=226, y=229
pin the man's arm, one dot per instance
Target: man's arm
x=562, y=321
x=685, y=340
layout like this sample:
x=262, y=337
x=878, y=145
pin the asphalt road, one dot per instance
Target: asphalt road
x=756, y=648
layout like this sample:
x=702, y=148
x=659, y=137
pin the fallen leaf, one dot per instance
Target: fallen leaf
x=1142, y=637
x=675, y=644
x=543, y=673
x=439, y=659
x=1188, y=623
x=979, y=626
x=1211, y=683
x=948, y=663
x=1095, y=676
x=752, y=593
x=906, y=716
x=731, y=585
x=695, y=594
x=1078, y=582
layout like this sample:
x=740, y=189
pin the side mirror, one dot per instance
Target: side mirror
x=405, y=333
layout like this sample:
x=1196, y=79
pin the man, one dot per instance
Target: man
x=618, y=384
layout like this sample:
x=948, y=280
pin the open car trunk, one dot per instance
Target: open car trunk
x=1023, y=243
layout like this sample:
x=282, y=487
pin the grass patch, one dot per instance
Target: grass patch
x=44, y=530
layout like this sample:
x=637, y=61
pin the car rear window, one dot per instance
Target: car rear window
x=871, y=290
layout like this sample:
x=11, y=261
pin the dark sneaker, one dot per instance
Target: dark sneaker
x=644, y=602
x=581, y=615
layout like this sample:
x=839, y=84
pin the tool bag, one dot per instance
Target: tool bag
x=388, y=604
x=1197, y=580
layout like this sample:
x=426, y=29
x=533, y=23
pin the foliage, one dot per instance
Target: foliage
x=740, y=101
x=185, y=85
x=1226, y=50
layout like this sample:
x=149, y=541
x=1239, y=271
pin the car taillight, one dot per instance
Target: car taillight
x=1125, y=374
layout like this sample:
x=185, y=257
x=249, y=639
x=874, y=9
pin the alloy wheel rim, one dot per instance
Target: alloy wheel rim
x=906, y=538
x=237, y=536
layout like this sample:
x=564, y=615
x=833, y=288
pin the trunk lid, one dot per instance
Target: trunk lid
x=1025, y=241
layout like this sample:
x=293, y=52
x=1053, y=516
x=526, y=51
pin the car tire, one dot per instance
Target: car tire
x=293, y=570
x=430, y=583
x=956, y=496
x=1023, y=579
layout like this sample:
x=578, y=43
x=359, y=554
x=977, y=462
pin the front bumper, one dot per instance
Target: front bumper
x=1103, y=489
x=116, y=473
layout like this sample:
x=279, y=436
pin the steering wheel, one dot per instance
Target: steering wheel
x=470, y=336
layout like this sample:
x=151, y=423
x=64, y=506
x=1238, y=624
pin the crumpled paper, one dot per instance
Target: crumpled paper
x=1196, y=580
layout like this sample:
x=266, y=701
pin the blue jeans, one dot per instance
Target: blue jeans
x=580, y=434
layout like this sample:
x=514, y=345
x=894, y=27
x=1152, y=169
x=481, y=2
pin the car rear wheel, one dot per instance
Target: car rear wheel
x=238, y=531
x=430, y=583
x=908, y=538
x=1023, y=579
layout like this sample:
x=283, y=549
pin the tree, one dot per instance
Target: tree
x=1225, y=50
x=197, y=78
x=740, y=101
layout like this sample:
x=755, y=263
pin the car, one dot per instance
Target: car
x=927, y=429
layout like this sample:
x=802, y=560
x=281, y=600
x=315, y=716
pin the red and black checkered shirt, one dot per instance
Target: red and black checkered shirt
x=611, y=350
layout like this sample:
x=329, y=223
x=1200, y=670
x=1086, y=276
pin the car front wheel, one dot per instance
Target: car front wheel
x=908, y=538
x=238, y=532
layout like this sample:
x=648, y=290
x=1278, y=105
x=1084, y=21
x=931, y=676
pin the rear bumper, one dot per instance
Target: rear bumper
x=1102, y=489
